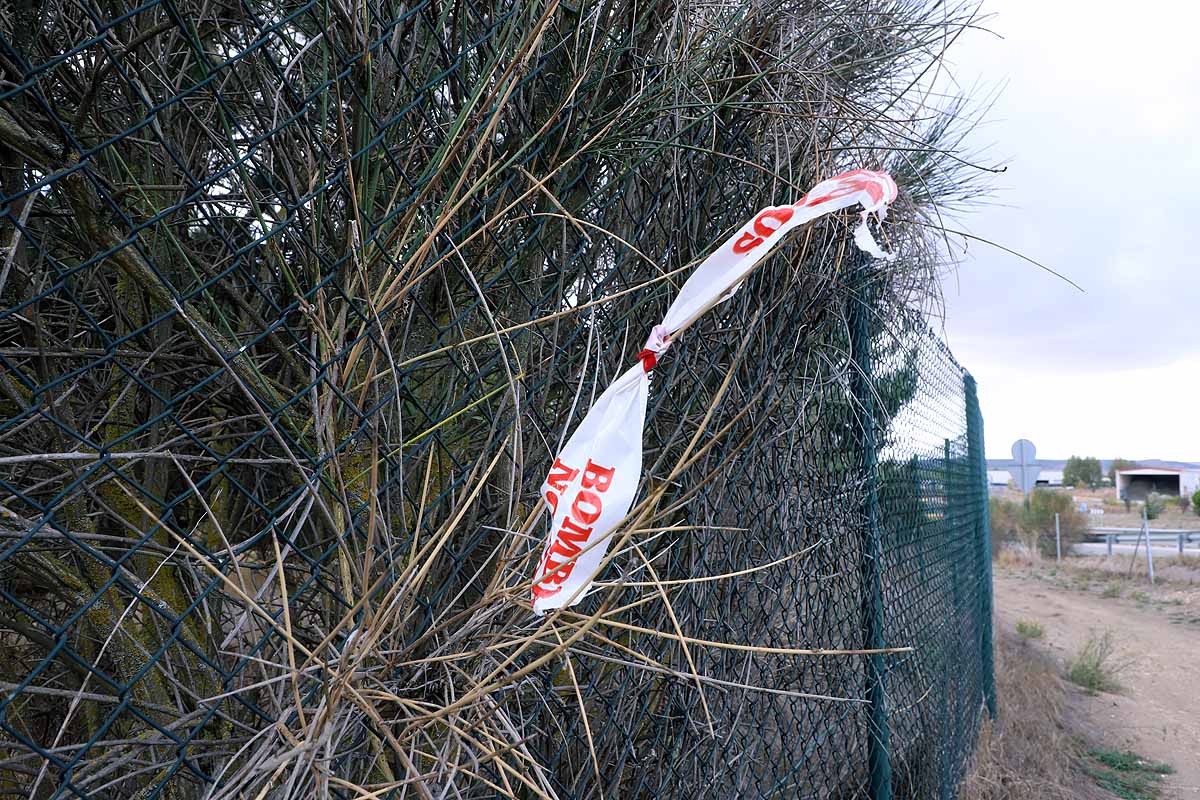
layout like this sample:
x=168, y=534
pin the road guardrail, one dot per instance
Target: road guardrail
x=1157, y=536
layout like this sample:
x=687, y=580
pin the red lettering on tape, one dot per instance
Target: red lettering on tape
x=747, y=242
x=597, y=477
x=560, y=475
x=576, y=528
x=586, y=507
x=772, y=220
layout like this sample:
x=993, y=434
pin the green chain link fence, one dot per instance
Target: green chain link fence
x=297, y=300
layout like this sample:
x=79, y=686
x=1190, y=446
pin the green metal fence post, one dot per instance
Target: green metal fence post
x=958, y=546
x=861, y=306
x=950, y=535
x=979, y=462
x=950, y=660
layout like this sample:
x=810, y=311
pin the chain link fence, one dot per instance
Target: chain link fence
x=298, y=299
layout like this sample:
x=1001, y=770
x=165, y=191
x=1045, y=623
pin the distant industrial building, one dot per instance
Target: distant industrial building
x=1151, y=475
x=1046, y=477
x=1138, y=482
x=998, y=477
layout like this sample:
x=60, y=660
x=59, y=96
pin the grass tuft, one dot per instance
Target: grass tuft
x=1030, y=628
x=1096, y=667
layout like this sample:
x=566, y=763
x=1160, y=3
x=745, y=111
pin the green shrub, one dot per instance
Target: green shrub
x=1005, y=517
x=1038, y=520
x=1155, y=505
x=1030, y=628
x=1095, y=666
x=1196, y=502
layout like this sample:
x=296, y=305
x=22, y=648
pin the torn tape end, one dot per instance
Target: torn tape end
x=866, y=242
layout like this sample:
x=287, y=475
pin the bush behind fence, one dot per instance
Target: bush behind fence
x=298, y=299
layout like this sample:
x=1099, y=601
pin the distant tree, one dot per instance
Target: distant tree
x=1082, y=472
x=1119, y=463
x=1185, y=503
x=1155, y=505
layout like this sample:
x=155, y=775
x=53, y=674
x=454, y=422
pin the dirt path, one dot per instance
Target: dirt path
x=1157, y=715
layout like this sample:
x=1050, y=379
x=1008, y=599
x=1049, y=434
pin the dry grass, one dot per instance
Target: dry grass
x=1017, y=557
x=1175, y=569
x=1181, y=572
x=1026, y=752
x=1116, y=516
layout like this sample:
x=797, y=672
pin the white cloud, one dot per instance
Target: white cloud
x=1134, y=412
x=1098, y=121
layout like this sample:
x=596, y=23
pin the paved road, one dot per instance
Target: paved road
x=1158, y=713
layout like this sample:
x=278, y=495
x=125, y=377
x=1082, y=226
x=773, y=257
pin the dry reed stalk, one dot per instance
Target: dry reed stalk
x=299, y=299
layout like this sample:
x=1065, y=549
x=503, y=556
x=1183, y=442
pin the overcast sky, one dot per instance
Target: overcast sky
x=1097, y=120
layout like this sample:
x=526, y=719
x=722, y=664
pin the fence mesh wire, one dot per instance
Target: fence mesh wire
x=298, y=299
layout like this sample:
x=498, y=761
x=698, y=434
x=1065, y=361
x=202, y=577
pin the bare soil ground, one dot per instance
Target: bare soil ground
x=1157, y=630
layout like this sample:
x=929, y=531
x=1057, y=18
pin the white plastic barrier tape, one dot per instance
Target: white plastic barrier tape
x=594, y=480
